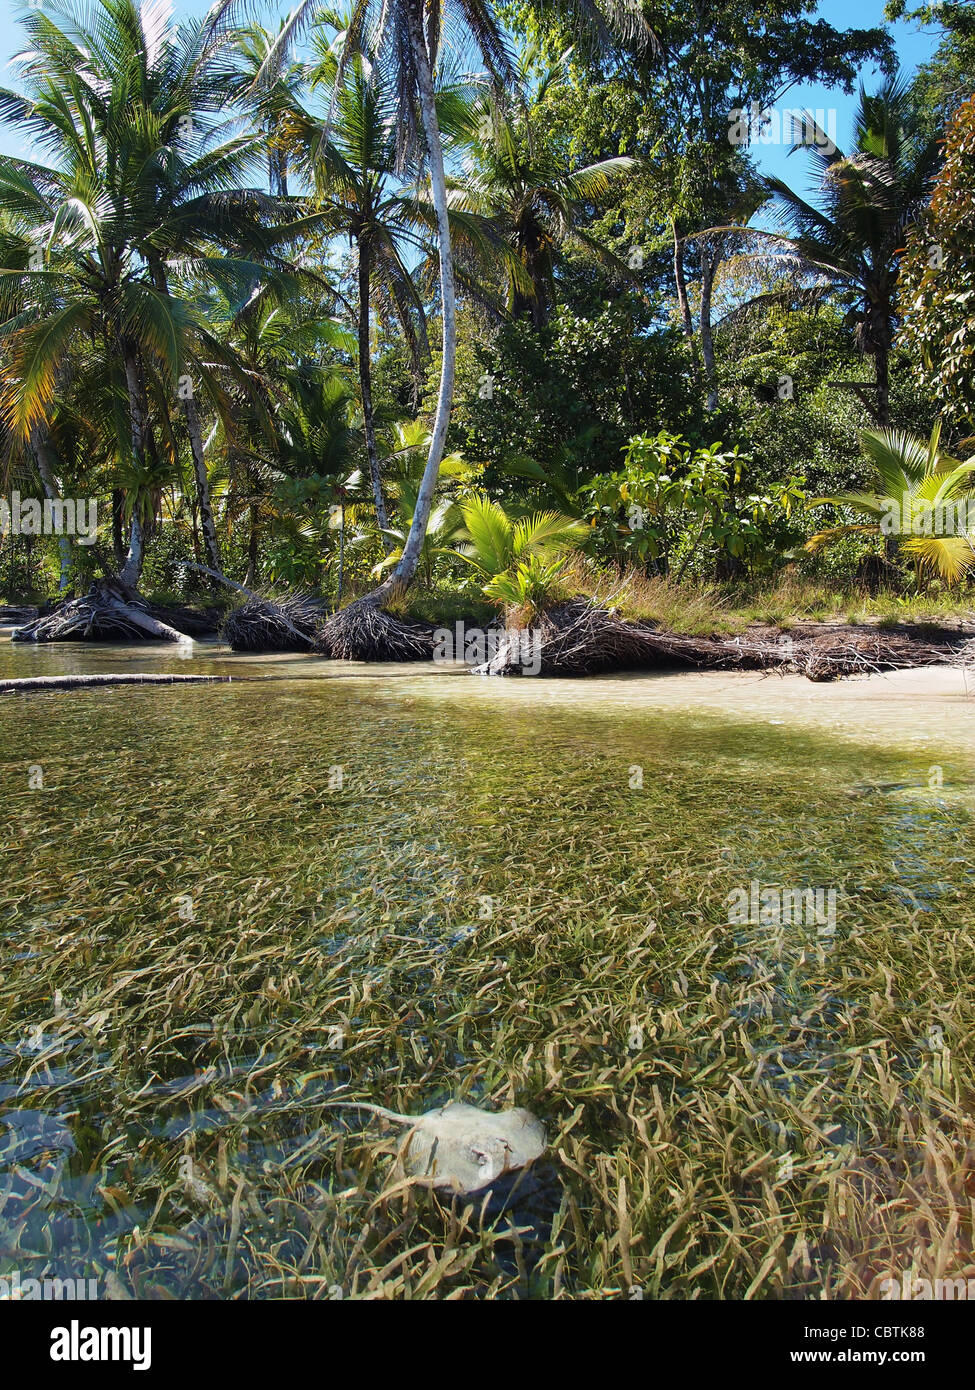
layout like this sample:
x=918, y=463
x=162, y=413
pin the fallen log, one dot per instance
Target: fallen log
x=32, y=683
x=583, y=639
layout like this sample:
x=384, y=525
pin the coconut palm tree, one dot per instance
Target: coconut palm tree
x=846, y=244
x=284, y=403
x=923, y=500
x=267, y=104
x=522, y=190
x=139, y=194
x=351, y=161
x=403, y=37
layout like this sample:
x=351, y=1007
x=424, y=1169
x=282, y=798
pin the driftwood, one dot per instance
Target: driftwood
x=582, y=639
x=35, y=683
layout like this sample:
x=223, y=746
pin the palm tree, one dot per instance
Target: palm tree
x=269, y=104
x=923, y=499
x=403, y=37
x=287, y=407
x=139, y=194
x=520, y=187
x=351, y=160
x=847, y=246
x=498, y=543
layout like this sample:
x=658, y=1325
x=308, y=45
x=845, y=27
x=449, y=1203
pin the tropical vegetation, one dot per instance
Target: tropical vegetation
x=311, y=306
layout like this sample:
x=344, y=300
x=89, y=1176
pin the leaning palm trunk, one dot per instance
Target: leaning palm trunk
x=132, y=568
x=405, y=570
x=45, y=466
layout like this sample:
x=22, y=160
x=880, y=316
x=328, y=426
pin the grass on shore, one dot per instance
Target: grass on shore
x=703, y=610
x=696, y=610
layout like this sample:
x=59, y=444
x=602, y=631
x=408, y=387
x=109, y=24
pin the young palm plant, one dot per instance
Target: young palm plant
x=923, y=498
x=520, y=559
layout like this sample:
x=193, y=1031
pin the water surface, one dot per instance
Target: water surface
x=221, y=904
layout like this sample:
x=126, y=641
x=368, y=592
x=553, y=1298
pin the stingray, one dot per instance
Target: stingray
x=464, y=1148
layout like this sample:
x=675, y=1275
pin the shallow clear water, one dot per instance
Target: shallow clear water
x=207, y=889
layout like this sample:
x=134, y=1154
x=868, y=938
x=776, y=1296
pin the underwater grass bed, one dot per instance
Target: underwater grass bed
x=220, y=910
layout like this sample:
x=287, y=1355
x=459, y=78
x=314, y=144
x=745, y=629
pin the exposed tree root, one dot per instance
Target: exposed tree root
x=849, y=654
x=11, y=614
x=108, y=614
x=583, y=639
x=363, y=631
x=273, y=624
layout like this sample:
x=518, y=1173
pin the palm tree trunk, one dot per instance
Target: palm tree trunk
x=709, y=266
x=204, y=505
x=132, y=568
x=118, y=517
x=881, y=359
x=882, y=370
x=341, y=576
x=45, y=466
x=132, y=565
x=680, y=280
x=365, y=384
x=250, y=578
x=406, y=568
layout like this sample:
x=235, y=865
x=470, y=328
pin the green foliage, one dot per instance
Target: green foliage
x=156, y=237
x=938, y=292
x=948, y=78
x=571, y=394
x=671, y=496
x=919, y=491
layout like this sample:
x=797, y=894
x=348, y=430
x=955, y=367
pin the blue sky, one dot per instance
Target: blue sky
x=914, y=47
